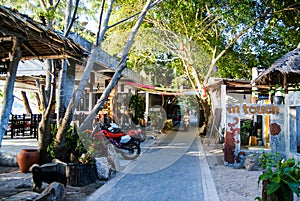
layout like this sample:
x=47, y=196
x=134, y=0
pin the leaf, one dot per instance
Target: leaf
x=265, y=176
x=272, y=187
x=258, y=198
x=276, y=178
x=294, y=187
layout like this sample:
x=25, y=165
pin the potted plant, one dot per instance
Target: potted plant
x=84, y=171
x=245, y=130
x=277, y=94
x=254, y=97
x=280, y=181
x=80, y=161
x=137, y=104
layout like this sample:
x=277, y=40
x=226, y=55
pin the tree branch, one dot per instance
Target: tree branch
x=72, y=20
x=100, y=21
x=118, y=72
x=104, y=28
x=132, y=16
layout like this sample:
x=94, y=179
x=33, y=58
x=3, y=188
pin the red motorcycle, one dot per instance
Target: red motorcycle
x=127, y=146
x=136, y=133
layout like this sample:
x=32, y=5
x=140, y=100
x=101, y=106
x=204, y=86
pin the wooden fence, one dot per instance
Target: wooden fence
x=24, y=125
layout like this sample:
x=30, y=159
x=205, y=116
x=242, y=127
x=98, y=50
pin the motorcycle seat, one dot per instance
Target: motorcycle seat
x=114, y=135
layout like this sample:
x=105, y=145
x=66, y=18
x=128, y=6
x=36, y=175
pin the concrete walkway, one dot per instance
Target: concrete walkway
x=17, y=144
x=173, y=168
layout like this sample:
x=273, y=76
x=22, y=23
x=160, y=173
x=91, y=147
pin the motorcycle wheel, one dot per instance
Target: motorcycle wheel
x=132, y=151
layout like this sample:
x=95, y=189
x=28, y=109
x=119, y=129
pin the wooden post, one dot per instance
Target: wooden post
x=26, y=102
x=286, y=90
x=23, y=125
x=12, y=126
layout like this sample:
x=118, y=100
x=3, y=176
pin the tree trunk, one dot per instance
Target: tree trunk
x=67, y=82
x=66, y=88
x=37, y=97
x=9, y=86
x=118, y=72
x=26, y=103
x=44, y=129
x=44, y=137
x=79, y=91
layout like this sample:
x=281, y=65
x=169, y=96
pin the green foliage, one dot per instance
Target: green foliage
x=269, y=159
x=245, y=127
x=283, y=177
x=137, y=104
x=50, y=147
x=57, y=14
x=277, y=89
x=74, y=144
x=87, y=157
x=74, y=147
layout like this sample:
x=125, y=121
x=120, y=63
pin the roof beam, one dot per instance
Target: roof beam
x=30, y=49
x=6, y=38
x=10, y=33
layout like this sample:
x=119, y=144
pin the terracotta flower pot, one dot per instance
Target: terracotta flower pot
x=26, y=158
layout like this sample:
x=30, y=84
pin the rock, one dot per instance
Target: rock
x=8, y=159
x=54, y=191
x=109, y=164
x=113, y=158
x=103, y=167
x=23, y=196
x=251, y=162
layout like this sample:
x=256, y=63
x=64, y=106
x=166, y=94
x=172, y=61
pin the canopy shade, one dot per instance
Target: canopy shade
x=39, y=42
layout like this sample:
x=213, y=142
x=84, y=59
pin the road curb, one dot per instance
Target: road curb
x=209, y=188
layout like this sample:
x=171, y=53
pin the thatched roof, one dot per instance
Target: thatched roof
x=39, y=42
x=285, y=70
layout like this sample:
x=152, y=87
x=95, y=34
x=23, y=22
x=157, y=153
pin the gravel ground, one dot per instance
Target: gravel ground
x=12, y=181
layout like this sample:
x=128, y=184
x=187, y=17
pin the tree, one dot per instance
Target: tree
x=48, y=94
x=223, y=31
x=117, y=75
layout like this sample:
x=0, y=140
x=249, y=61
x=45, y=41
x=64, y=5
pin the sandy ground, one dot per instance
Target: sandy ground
x=236, y=184
x=232, y=184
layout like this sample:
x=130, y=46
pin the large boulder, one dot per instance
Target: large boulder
x=54, y=191
x=103, y=168
x=251, y=162
x=108, y=164
x=113, y=158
